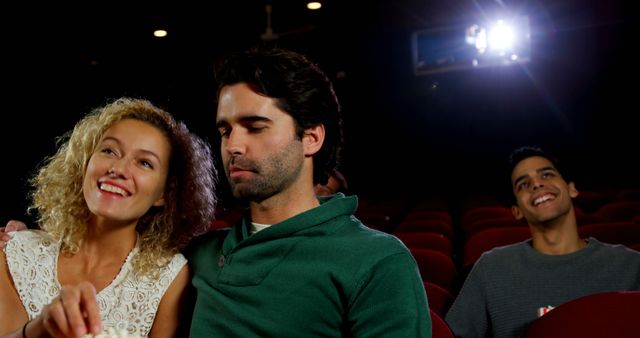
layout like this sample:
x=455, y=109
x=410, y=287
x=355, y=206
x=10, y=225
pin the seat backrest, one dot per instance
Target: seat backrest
x=435, y=267
x=428, y=215
x=490, y=223
x=583, y=217
x=389, y=206
x=433, y=225
x=436, y=204
x=488, y=239
x=486, y=212
x=439, y=327
x=376, y=220
x=626, y=233
x=620, y=210
x=607, y=314
x=628, y=194
x=590, y=201
x=429, y=240
x=440, y=299
x=475, y=200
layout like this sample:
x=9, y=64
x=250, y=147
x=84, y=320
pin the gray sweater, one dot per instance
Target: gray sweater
x=507, y=285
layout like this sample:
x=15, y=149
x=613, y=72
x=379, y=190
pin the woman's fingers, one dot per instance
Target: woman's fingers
x=5, y=231
x=89, y=307
x=14, y=225
x=71, y=298
x=55, y=319
x=74, y=312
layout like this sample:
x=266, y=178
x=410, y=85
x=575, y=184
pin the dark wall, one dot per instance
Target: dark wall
x=439, y=135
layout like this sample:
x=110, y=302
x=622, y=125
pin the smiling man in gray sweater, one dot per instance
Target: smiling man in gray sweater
x=510, y=286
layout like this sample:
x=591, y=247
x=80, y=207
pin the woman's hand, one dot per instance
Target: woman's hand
x=11, y=226
x=73, y=313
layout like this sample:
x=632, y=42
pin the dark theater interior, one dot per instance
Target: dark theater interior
x=412, y=131
x=434, y=95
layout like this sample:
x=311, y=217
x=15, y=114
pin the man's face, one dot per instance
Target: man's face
x=261, y=153
x=541, y=193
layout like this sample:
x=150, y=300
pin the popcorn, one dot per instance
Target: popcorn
x=112, y=333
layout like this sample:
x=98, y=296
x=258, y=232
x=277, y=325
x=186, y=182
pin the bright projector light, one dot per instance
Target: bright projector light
x=501, y=37
x=467, y=46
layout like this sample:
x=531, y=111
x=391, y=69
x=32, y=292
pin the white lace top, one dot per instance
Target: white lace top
x=130, y=302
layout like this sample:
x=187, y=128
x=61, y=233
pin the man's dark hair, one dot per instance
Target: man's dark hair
x=521, y=153
x=299, y=88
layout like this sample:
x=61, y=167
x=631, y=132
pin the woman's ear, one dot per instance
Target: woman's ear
x=159, y=202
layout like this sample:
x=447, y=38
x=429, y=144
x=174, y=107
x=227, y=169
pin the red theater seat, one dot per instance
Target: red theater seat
x=439, y=327
x=440, y=299
x=488, y=239
x=435, y=267
x=620, y=210
x=488, y=212
x=437, y=226
x=429, y=240
x=491, y=223
x=607, y=314
x=626, y=233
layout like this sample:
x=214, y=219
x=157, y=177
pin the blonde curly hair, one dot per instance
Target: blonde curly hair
x=190, y=197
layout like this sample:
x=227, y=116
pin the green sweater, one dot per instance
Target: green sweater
x=318, y=274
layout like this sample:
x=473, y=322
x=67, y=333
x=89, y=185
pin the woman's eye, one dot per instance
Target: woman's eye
x=146, y=164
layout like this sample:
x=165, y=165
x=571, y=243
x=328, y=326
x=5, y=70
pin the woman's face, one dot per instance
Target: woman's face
x=127, y=172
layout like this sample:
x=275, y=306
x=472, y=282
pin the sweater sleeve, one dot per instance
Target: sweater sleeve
x=468, y=315
x=391, y=301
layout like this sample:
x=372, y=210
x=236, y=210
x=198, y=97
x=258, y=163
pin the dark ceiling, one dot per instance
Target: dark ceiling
x=445, y=133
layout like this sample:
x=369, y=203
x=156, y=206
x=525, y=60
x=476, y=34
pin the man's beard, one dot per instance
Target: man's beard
x=269, y=177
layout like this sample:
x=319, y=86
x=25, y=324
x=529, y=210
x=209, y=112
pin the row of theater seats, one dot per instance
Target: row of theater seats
x=480, y=218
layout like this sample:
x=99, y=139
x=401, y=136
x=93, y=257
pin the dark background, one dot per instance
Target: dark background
x=444, y=135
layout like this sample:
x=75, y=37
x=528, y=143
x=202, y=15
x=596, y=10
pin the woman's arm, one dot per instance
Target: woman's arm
x=12, y=314
x=173, y=306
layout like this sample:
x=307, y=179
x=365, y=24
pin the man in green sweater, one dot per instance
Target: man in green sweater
x=296, y=265
x=510, y=286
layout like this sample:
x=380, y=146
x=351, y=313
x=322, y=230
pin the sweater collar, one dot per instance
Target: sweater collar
x=308, y=222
